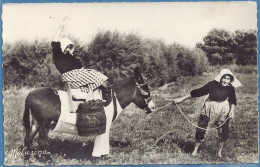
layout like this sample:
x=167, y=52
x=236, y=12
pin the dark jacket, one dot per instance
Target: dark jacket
x=64, y=62
x=216, y=92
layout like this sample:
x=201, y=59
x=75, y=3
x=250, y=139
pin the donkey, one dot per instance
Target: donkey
x=44, y=105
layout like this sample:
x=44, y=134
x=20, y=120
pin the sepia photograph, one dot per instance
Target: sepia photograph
x=130, y=83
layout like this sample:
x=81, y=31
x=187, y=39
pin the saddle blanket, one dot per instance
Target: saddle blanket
x=67, y=120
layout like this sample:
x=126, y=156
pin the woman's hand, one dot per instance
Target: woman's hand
x=63, y=23
x=58, y=34
x=178, y=100
x=231, y=112
x=62, y=26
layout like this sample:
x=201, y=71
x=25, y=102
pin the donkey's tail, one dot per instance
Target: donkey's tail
x=26, y=117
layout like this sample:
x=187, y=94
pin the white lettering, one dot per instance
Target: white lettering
x=23, y=151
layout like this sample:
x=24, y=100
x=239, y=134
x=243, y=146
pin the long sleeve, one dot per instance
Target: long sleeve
x=56, y=49
x=64, y=62
x=232, y=96
x=216, y=92
x=200, y=91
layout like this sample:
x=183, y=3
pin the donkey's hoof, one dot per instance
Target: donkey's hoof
x=45, y=158
x=26, y=162
x=95, y=160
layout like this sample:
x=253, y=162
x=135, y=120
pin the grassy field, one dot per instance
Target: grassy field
x=163, y=137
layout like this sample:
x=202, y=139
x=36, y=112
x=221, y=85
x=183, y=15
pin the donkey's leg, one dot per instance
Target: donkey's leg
x=43, y=143
x=33, y=131
x=43, y=136
x=30, y=136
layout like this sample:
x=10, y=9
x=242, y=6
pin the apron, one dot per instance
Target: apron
x=217, y=112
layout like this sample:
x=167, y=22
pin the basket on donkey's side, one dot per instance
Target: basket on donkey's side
x=91, y=118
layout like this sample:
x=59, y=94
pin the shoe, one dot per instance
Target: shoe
x=94, y=160
x=105, y=157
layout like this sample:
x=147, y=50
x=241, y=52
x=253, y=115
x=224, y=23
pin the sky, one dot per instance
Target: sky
x=185, y=23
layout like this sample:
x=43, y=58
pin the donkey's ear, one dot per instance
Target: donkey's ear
x=138, y=76
x=136, y=72
x=131, y=73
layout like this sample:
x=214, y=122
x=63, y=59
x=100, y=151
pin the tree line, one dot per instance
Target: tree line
x=223, y=47
x=116, y=54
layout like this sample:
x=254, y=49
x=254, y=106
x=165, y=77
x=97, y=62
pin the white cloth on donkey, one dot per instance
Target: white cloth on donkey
x=67, y=124
x=67, y=119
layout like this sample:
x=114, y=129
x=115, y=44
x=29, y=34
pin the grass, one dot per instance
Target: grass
x=134, y=136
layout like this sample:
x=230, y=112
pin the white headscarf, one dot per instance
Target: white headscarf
x=236, y=83
x=64, y=42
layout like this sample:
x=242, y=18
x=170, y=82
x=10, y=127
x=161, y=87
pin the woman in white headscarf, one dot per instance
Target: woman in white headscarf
x=218, y=107
x=71, y=68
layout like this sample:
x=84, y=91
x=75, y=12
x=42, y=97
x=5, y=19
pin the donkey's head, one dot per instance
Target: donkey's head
x=141, y=97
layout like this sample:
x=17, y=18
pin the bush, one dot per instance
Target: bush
x=29, y=64
x=247, y=69
x=113, y=53
x=192, y=62
x=201, y=61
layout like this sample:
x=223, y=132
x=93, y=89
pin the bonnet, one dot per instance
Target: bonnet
x=236, y=83
x=64, y=42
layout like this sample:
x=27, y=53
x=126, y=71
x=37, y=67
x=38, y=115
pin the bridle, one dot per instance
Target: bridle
x=145, y=93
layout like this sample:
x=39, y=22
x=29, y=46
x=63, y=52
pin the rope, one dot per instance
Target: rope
x=197, y=125
x=186, y=119
x=189, y=119
x=161, y=107
x=169, y=104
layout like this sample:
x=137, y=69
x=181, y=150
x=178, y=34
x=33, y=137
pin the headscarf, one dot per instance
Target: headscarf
x=236, y=83
x=64, y=42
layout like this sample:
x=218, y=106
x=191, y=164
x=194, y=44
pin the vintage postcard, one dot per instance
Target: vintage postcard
x=130, y=83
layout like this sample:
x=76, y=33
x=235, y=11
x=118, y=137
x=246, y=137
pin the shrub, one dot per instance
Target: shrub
x=247, y=69
x=192, y=62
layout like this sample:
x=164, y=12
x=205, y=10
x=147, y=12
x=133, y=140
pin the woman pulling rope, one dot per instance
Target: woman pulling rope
x=219, y=105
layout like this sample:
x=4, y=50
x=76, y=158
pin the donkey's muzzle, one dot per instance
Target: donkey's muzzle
x=148, y=110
